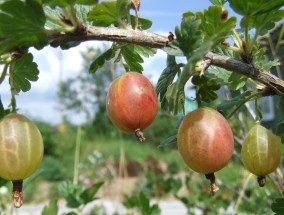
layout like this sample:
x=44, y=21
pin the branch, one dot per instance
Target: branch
x=274, y=83
x=146, y=38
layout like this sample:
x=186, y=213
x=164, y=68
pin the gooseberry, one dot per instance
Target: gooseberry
x=205, y=142
x=21, y=150
x=261, y=152
x=132, y=103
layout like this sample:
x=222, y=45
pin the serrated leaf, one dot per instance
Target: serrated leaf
x=172, y=140
x=260, y=60
x=88, y=194
x=24, y=71
x=205, y=88
x=21, y=25
x=278, y=206
x=145, y=51
x=188, y=36
x=215, y=25
x=104, y=14
x=262, y=22
x=100, y=61
x=132, y=58
x=253, y=7
x=51, y=208
x=220, y=74
x=167, y=76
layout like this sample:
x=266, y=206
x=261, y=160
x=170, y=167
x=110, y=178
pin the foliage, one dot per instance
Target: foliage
x=142, y=203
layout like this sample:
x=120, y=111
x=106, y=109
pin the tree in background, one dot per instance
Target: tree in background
x=86, y=92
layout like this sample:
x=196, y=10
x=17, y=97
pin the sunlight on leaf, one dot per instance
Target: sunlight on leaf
x=215, y=24
x=22, y=24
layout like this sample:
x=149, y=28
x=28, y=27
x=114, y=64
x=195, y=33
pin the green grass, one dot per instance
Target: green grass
x=133, y=150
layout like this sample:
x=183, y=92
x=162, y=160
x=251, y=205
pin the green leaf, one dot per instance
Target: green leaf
x=215, y=24
x=278, y=206
x=177, y=97
x=130, y=201
x=174, y=99
x=104, y=14
x=144, y=203
x=226, y=106
x=24, y=71
x=100, y=61
x=262, y=22
x=59, y=3
x=143, y=23
x=173, y=50
x=88, y=194
x=71, y=193
x=218, y=2
x=221, y=75
x=4, y=73
x=237, y=81
x=132, y=56
x=189, y=36
x=258, y=111
x=87, y=2
x=172, y=140
x=21, y=25
x=123, y=6
x=51, y=208
x=253, y=7
x=167, y=76
x=205, y=88
x=3, y=182
x=260, y=60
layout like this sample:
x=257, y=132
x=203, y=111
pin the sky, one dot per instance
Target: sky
x=54, y=64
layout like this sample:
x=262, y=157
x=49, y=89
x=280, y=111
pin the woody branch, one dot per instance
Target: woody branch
x=150, y=39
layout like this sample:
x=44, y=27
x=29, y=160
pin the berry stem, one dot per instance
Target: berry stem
x=213, y=187
x=139, y=134
x=17, y=193
x=261, y=181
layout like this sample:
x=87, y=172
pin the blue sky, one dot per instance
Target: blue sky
x=40, y=102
